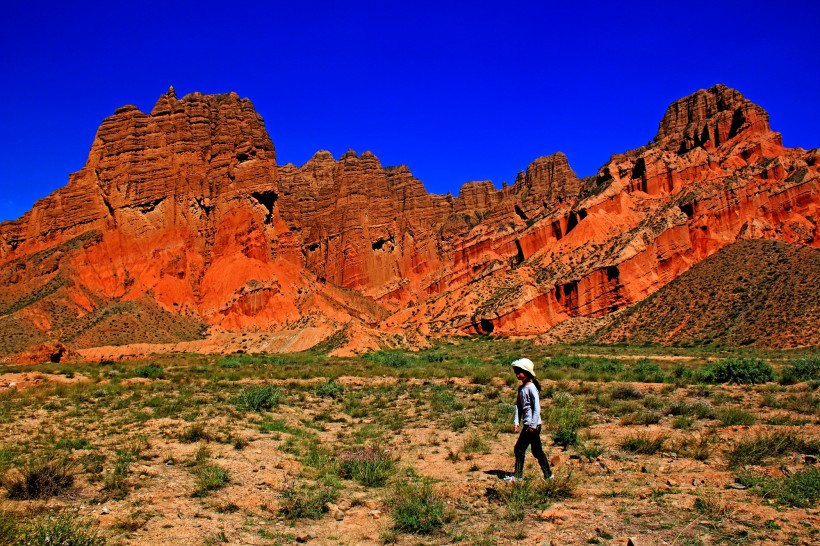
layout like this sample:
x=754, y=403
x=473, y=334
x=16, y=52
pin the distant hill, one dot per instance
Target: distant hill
x=764, y=293
x=182, y=225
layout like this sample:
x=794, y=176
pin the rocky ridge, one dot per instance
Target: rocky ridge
x=185, y=211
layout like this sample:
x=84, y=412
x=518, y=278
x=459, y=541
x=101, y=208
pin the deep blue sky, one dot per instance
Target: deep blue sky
x=457, y=91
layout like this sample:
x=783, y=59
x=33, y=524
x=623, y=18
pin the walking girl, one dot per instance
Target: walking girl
x=528, y=413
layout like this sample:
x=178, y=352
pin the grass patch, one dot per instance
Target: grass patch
x=764, y=446
x=305, y=502
x=742, y=371
x=329, y=389
x=371, y=466
x=66, y=529
x=416, y=508
x=735, y=417
x=258, y=398
x=565, y=416
x=42, y=478
x=799, y=490
x=522, y=496
x=644, y=443
x=210, y=477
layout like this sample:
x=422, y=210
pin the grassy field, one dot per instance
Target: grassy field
x=683, y=446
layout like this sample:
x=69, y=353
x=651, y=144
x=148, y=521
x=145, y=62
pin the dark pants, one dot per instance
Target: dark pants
x=525, y=440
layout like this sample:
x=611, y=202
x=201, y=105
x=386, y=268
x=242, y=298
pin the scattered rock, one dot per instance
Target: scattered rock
x=105, y=510
x=339, y=515
x=631, y=542
x=736, y=485
x=671, y=483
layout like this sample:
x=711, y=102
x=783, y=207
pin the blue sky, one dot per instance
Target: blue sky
x=457, y=91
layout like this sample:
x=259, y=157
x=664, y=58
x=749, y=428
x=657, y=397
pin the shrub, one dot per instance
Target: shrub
x=63, y=530
x=643, y=443
x=8, y=528
x=258, y=398
x=626, y=392
x=762, y=446
x=195, y=433
x=800, y=490
x=743, y=371
x=370, y=465
x=804, y=369
x=643, y=417
x=329, y=389
x=526, y=495
x=735, y=416
x=210, y=477
x=42, y=479
x=302, y=502
x=151, y=371
x=475, y=443
x=564, y=416
x=391, y=359
x=646, y=371
x=416, y=508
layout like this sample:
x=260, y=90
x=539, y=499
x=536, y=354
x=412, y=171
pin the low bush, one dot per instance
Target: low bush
x=391, y=359
x=800, y=490
x=743, y=371
x=150, y=371
x=763, y=446
x=643, y=443
x=195, y=433
x=63, y=530
x=371, y=466
x=42, y=478
x=646, y=371
x=643, y=417
x=804, y=369
x=329, y=389
x=475, y=443
x=258, y=398
x=210, y=477
x=305, y=502
x=564, y=416
x=522, y=496
x=734, y=416
x=416, y=508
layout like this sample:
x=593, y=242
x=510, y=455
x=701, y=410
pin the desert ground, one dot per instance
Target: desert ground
x=650, y=445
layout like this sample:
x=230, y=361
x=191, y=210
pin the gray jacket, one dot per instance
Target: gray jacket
x=528, y=406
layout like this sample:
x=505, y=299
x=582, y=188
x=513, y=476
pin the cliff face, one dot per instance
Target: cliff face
x=185, y=212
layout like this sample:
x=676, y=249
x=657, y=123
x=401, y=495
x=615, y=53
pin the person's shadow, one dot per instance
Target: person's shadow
x=500, y=474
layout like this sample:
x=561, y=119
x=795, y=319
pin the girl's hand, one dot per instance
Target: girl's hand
x=516, y=428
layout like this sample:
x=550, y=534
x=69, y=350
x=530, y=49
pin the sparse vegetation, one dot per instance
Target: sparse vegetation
x=416, y=508
x=414, y=448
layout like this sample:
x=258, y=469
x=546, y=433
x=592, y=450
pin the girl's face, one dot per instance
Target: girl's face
x=520, y=375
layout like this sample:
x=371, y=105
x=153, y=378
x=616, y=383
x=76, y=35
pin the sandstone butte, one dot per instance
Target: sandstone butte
x=184, y=214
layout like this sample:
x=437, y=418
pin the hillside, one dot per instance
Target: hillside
x=185, y=210
x=750, y=293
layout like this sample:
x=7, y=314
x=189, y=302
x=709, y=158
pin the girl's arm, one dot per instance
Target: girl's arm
x=527, y=404
x=536, y=407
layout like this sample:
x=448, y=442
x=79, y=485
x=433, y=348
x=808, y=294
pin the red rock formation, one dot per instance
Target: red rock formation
x=186, y=207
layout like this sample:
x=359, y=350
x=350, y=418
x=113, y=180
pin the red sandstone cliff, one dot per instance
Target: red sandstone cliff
x=183, y=214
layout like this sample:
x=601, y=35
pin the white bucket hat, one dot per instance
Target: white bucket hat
x=524, y=364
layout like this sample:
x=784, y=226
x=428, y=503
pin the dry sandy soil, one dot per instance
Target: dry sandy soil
x=138, y=448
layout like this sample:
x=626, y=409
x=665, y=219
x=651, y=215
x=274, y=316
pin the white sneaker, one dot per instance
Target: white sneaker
x=511, y=479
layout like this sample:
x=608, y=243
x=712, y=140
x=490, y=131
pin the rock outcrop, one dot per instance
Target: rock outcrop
x=184, y=214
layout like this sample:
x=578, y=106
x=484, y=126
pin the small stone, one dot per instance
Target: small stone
x=105, y=510
x=736, y=485
x=671, y=483
x=810, y=459
x=631, y=542
x=339, y=515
